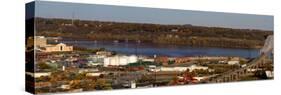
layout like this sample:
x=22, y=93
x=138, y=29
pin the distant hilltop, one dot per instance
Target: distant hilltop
x=197, y=36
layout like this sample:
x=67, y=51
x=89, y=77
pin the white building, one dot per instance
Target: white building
x=148, y=59
x=96, y=59
x=195, y=67
x=179, y=69
x=233, y=62
x=119, y=60
x=94, y=74
x=269, y=74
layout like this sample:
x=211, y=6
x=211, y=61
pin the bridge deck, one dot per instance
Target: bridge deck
x=254, y=62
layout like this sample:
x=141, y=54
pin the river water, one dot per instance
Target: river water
x=150, y=49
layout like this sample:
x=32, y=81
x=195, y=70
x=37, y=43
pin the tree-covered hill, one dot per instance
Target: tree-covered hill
x=197, y=36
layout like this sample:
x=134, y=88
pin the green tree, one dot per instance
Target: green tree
x=101, y=84
x=43, y=66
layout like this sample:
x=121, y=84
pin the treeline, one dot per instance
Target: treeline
x=156, y=33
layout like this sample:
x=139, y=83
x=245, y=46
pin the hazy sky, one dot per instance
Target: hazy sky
x=151, y=15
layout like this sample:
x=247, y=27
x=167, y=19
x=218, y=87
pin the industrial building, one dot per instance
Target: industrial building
x=119, y=60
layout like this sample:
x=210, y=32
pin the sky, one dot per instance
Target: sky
x=49, y=9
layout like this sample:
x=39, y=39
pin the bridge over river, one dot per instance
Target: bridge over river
x=236, y=75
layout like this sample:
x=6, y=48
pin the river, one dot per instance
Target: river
x=150, y=49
